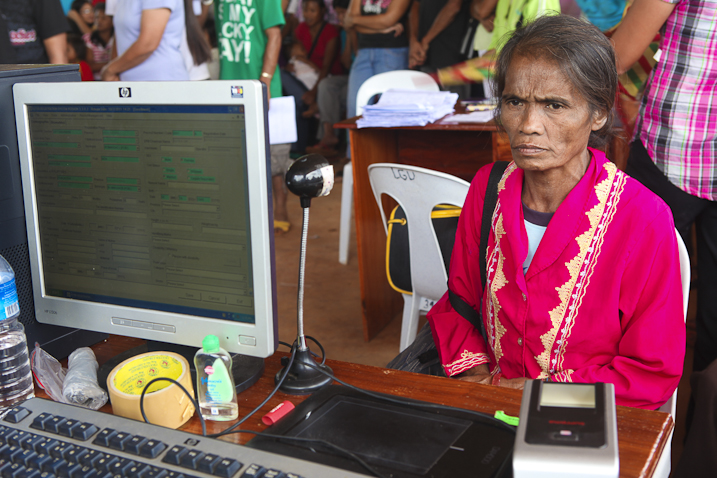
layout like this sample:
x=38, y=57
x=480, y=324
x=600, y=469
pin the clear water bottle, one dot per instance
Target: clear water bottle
x=215, y=385
x=15, y=373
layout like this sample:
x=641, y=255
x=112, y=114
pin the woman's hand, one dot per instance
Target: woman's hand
x=107, y=74
x=516, y=383
x=488, y=22
x=481, y=374
x=396, y=29
x=309, y=97
x=416, y=54
x=348, y=20
x=478, y=374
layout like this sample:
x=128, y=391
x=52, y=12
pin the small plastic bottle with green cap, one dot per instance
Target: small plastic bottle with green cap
x=215, y=386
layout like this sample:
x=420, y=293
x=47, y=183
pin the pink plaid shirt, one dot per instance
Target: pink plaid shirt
x=677, y=122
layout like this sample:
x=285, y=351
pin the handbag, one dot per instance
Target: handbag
x=422, y=356
x=398, y=252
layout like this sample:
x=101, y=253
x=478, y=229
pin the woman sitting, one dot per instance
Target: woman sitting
x=583, y=275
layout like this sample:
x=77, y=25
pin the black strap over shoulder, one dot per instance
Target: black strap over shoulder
x=491, y=198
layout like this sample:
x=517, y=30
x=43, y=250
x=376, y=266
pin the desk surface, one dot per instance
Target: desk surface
x=437, y=126
x=642, y=434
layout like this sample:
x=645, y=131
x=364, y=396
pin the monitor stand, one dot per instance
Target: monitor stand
x=246, y=370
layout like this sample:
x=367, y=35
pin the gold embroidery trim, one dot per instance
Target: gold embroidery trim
x=468, y=360
x=576, y=267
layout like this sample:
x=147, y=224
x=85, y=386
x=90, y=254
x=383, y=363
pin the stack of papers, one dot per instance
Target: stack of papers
x=407, y=108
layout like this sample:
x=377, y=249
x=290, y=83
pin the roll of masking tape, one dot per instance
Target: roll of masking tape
x=165, y=403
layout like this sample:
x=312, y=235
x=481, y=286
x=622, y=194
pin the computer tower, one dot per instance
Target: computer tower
x=57, y=341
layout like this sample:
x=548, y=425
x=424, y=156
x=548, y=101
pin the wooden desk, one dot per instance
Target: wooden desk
x=642, y=434
x=457, y=149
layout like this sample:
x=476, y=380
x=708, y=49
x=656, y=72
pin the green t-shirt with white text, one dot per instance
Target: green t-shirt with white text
x=241, y=26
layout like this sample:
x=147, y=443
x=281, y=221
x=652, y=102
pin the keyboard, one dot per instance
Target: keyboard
x=44, y=439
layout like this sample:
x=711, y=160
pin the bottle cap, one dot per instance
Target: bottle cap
x=210, y=344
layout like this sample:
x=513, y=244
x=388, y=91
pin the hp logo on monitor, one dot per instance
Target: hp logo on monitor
x=125, y=92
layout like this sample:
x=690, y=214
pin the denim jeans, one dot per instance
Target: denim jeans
x=370, y=62
x=293, y=87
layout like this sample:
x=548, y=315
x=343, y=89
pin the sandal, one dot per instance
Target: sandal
x=281, y=227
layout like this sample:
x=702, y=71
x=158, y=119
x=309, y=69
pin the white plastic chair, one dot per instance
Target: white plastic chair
x=664, y=463
x=418, y=191
x=399, y=79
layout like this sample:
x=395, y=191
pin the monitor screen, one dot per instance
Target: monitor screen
x=148, y=212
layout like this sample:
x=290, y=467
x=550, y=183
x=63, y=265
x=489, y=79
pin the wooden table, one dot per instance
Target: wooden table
x=457, y=149
x=642, y=434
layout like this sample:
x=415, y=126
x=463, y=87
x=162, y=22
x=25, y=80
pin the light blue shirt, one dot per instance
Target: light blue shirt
x=166, y=62
x=535, y=235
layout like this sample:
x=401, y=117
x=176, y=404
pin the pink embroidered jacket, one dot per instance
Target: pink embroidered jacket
x=600, y=302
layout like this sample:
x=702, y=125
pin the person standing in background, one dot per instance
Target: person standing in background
x=249, y=38
x=148, y=35
x=81, y=17
x=378, y=51
x=437, y=32
x=674, y=150
x=37, y=30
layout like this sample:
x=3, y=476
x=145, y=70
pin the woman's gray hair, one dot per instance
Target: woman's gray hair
x=581, y=51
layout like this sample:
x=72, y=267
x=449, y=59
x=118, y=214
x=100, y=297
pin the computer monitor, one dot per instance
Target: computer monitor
x=148, y=209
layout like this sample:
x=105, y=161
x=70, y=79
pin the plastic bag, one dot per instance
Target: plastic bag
x=48, y=373
x=80, y=386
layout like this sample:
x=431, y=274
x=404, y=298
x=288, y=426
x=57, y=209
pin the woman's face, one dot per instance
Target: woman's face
x=87, y=14
x=548, y=122
x=313, y=13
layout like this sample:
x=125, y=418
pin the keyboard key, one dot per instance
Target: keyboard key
x=173, y=456
x=65, y=428
x=254, y=471
x=91, y=456
x=274, y=474
x=38, y=422
x=58, y=450
x=75, y=454
x=117, y=441
x=191, y=459
x=84, y=431
x=135, y=444
x=117, y=468
x=226, y=467
x=16, y=414
x=13, y=470
x=8, y=451
x=57, y=466
x=6, y=433
x=136, y=470
x=31, y=441
x=152, y=449
x=41, y=461
x=103, y=438
x=53, y=424
x=26, y=457
x=17, y=438
x=44, y=447
x=208, y=463
x=78, y=471
x=153, y=472
x=104, y=463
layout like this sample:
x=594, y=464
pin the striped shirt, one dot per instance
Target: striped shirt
x=677, y=122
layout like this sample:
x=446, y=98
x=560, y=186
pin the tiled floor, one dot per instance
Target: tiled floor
x=332, y=301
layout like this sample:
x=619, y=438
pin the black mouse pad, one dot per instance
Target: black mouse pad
x=408, y=439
